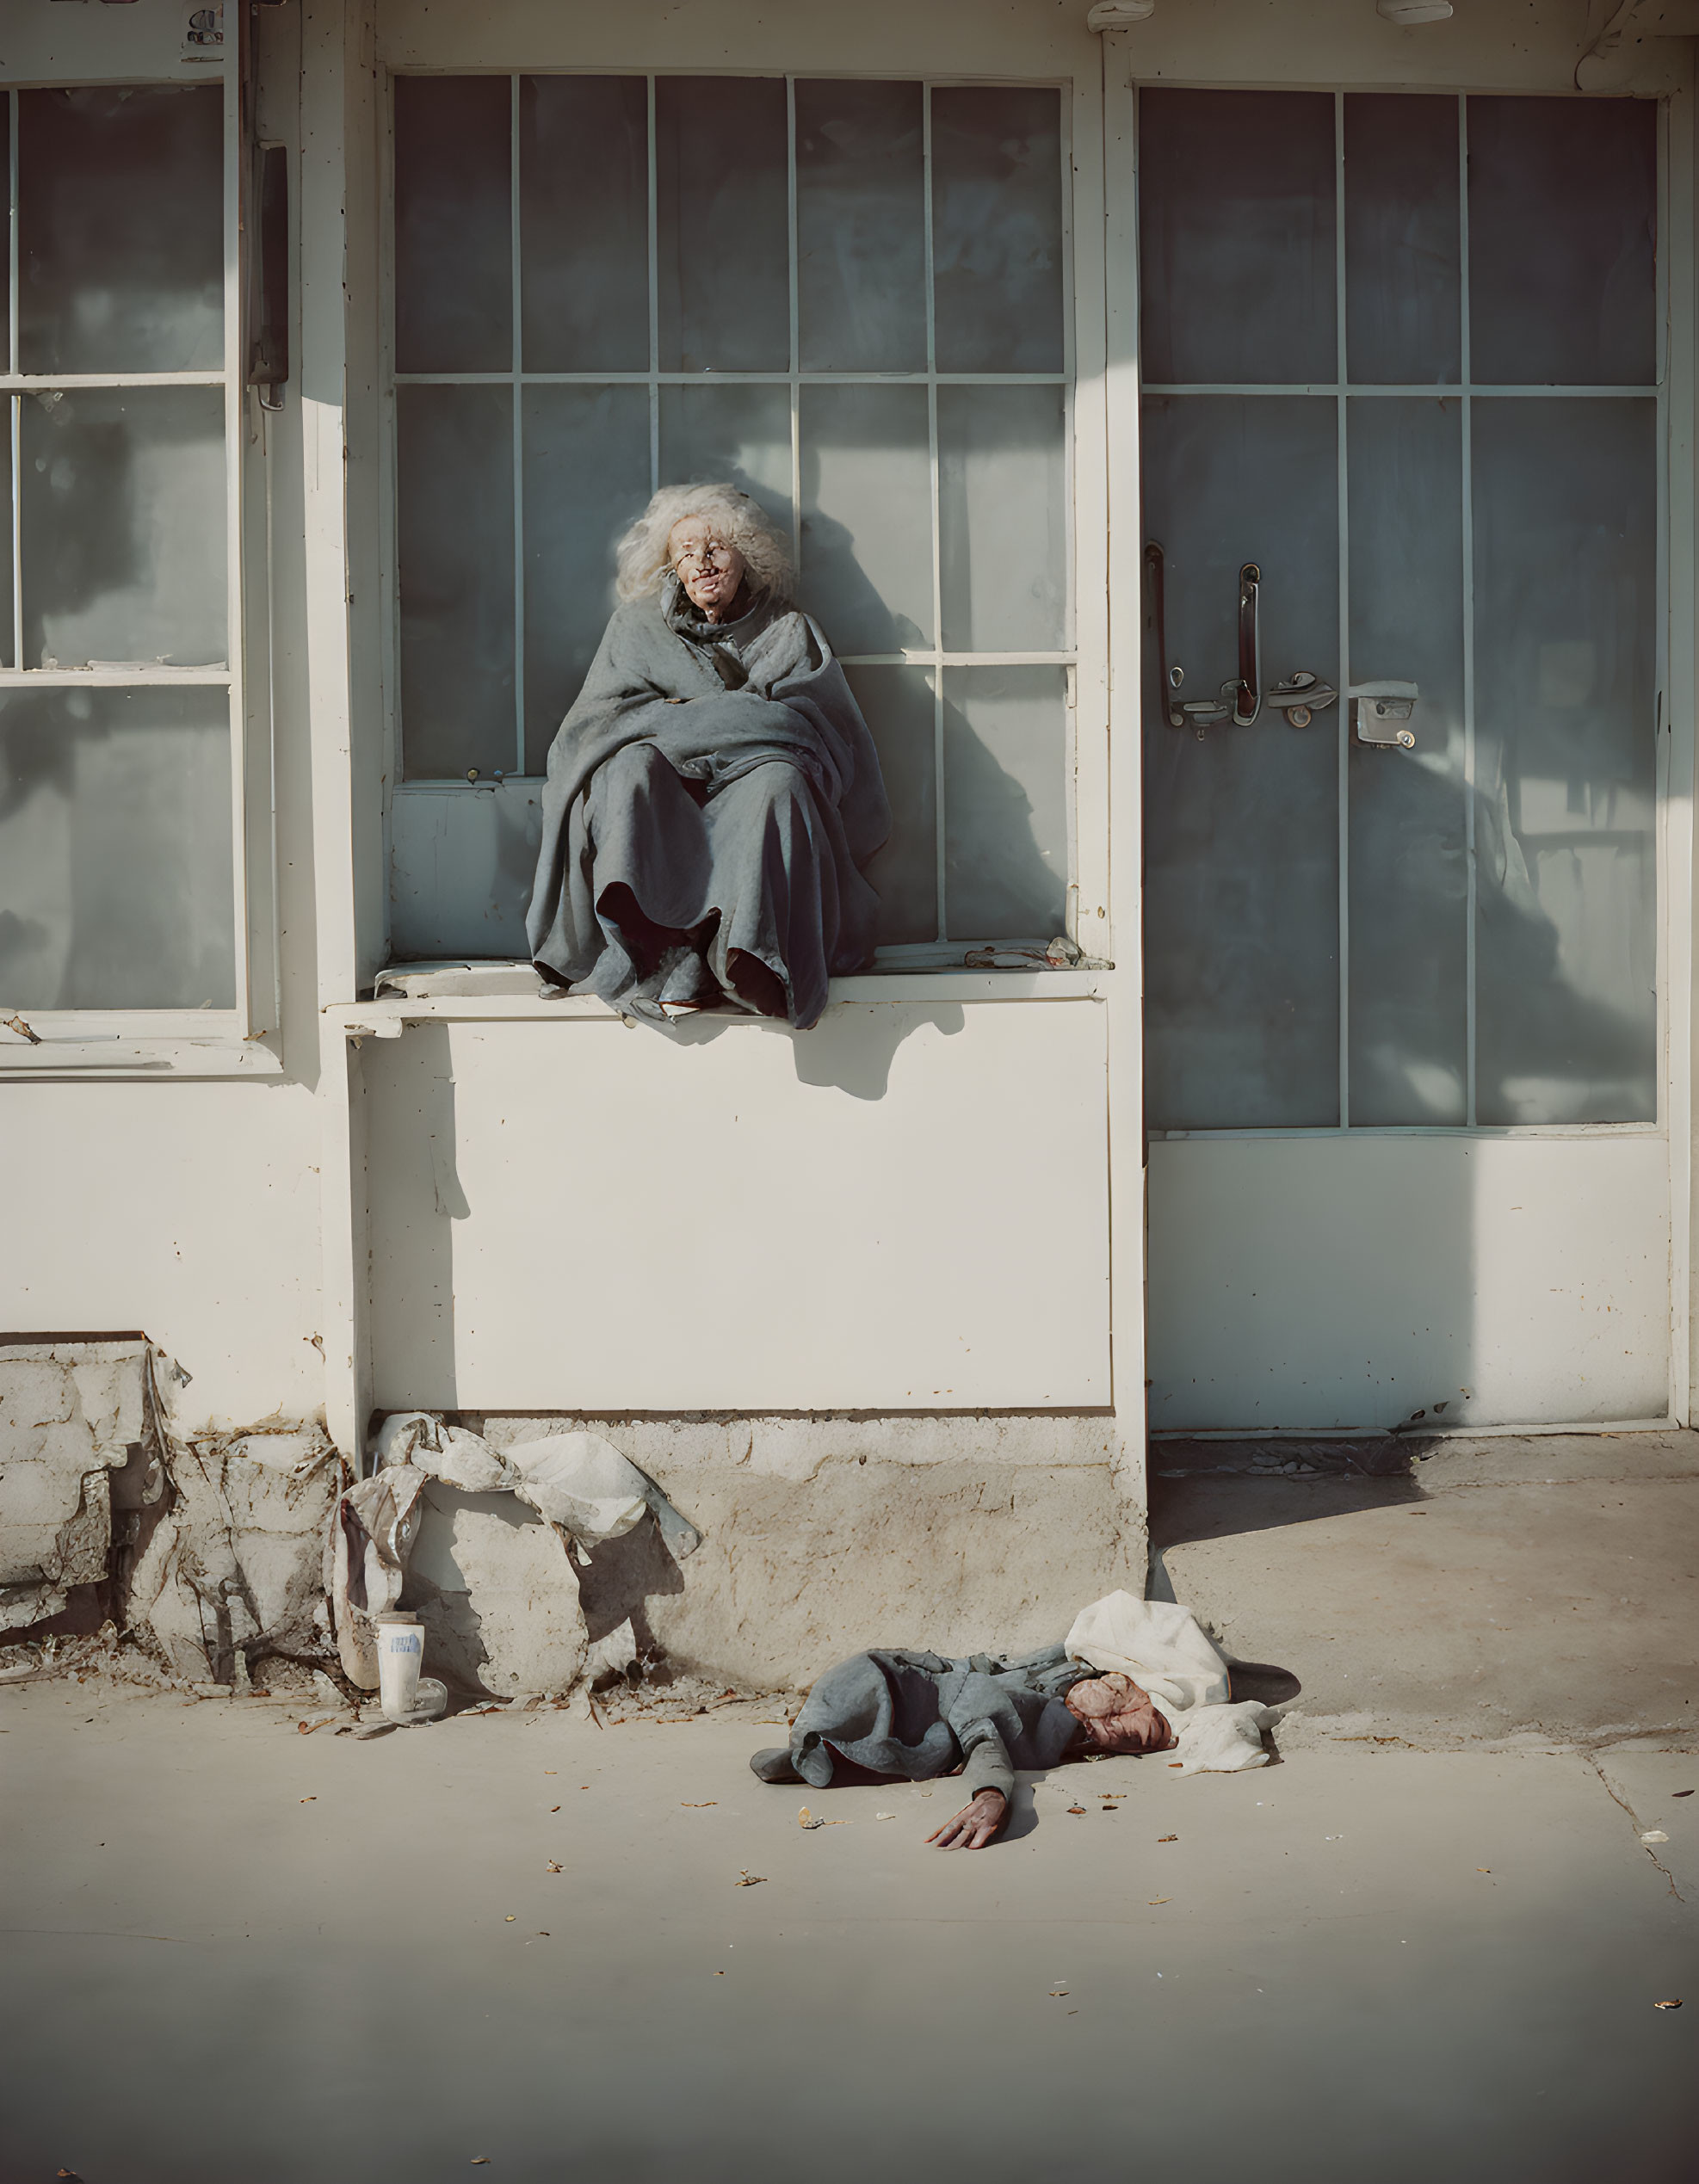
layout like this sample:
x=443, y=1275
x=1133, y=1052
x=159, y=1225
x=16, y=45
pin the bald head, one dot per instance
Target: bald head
x=1117, y=1716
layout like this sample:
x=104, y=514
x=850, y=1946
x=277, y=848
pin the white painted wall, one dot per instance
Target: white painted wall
x=1316, y=1282
x=901, y=1209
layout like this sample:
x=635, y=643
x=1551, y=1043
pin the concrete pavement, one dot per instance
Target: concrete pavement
x=237, y=1953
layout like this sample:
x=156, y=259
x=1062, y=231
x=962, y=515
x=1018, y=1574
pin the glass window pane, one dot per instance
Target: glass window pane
x=124, y=526
x=1241, y=829
x=1403, y=248
x=1235, y=229
x=867, y=517
x=586, y=477
x=997, y=229
x=583, y=205
x=1565, y=589
x=121, y=230
x=1003, y=518
x=722, y=159
x=1562, y=197
x=898, y=706
x=736, y=434
x=861, y=227
x=116, y=878
x=1409, y=883
x=1005, y=803
x=454, y=531
x=453, y=247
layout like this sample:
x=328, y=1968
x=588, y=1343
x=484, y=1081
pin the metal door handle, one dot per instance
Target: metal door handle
x=1247, y=694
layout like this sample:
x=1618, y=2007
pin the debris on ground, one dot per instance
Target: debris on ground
x=748, y=1879
x=1673, y=2004
x=1654, y=1834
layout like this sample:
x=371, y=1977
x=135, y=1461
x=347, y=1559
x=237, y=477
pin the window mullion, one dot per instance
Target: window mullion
x=518, y=426
x=937, y=567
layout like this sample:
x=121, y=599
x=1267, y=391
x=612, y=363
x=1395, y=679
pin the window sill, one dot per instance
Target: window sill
x=69, y=1050
x=508, y=992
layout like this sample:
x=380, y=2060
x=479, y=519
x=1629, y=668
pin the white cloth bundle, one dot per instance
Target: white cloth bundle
x=1161, y=1646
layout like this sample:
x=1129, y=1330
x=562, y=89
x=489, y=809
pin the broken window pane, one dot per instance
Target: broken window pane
x=121, y=230
x=124, y=526
x=115, y=879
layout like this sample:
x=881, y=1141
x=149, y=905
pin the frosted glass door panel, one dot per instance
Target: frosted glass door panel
x=124, y=526
x=1006, y=827
x=997, y=229
x=1241, y=829
x=584, y=208
x=586, y=477
x=121, y=230
x=453, y=213
x=898, y=706
x=721, y=177
x=1237, y=235
x=1565, y=592
x=1562, y=201
x=737, y=434
x=1003, y=518
x=861, y=227
x=1404, y=273
x=867, y=517
x=1409, y=880
x=115, y=876
x=455, y=533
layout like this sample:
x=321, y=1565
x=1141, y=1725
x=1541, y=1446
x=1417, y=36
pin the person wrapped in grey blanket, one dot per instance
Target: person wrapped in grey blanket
x=713, y=796
x=912, y=1716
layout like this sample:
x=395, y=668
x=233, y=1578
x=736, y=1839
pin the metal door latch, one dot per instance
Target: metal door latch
x=1301, y=696
x=1379, y=711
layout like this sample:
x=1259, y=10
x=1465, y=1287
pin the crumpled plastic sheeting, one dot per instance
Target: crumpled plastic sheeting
x=233, y=1573
x=581, y=1487
x=71, y=1415
x=577, y=1481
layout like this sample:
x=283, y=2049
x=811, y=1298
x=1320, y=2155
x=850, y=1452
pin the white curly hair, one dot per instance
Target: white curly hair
x=642, y=553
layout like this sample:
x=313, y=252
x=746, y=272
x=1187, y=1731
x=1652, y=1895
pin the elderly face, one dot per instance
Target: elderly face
x=710, y=569
x=1117, y=1716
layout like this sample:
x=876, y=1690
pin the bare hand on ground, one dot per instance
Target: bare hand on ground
x=972, y=1827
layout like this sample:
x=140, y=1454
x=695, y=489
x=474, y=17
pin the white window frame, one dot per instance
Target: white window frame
x=243, y=1040
x=1084, y=660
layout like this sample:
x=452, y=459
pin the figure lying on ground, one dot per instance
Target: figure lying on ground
x=913, y=1716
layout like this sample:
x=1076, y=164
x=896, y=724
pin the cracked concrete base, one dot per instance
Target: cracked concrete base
x=1534, y=1590
x=825, y=1535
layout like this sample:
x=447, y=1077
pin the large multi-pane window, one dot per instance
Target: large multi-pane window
x=117, y=766
x=849, y=298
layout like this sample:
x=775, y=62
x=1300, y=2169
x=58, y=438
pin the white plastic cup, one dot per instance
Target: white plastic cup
x=400, y=1654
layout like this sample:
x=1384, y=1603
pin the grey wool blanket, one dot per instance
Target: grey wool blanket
x=918, y=1715
x=712, y=798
